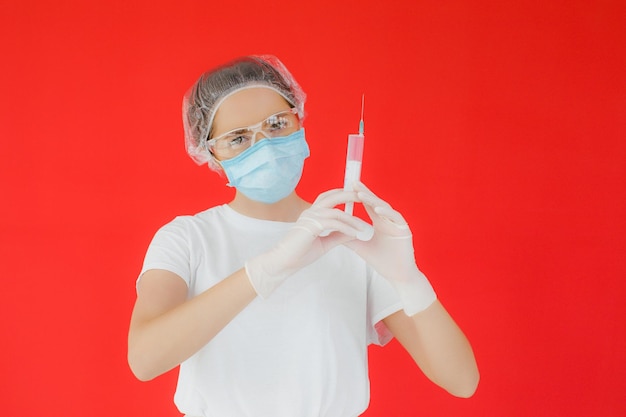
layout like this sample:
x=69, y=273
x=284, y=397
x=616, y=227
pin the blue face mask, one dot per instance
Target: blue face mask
x=269, y=170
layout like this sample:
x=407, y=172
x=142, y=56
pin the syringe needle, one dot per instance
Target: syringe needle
x=361, y=124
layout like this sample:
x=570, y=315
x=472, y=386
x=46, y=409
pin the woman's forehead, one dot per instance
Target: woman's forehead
x=247, y=107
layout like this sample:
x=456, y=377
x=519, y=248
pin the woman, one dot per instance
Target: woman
x=268, y=303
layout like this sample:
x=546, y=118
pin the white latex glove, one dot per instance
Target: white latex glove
x=303, y=244
x=390, y=252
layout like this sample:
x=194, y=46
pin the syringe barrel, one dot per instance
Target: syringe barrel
x=354, y=157
x=355, y=147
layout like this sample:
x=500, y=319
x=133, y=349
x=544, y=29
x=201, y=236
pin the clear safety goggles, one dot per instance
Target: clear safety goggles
x=232, y=143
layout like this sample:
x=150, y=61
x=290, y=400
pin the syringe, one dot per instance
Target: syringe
x=354, y=158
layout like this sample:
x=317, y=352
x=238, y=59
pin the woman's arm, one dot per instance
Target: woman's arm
x=423, y=327
x=166, y=328
x=439, y=348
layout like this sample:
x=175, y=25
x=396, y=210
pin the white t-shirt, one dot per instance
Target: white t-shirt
x=302, y=351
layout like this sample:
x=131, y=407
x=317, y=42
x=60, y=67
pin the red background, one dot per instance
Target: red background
x=496, y=128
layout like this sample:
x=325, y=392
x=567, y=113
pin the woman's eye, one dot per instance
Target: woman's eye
x=236, y=141
x=277, y=124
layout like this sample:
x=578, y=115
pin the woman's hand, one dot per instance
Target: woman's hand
x=390, y=252
x=304, y=242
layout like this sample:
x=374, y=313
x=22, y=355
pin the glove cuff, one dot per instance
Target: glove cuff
x=416, y=293
x=263, y=281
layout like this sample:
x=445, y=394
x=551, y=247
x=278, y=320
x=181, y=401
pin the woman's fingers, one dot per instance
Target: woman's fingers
x=366, y=196
x=322, y=218
x=333, y=198
x=391, y=215
x=378, y=208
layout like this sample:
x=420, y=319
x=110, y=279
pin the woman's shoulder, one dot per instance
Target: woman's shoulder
x=185, y=223
x=208, y=215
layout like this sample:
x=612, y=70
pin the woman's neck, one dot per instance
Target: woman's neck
x=286, y=210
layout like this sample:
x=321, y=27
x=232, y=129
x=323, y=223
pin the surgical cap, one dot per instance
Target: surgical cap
x=204, y=98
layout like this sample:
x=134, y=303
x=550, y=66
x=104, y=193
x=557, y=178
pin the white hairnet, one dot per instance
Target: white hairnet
x=203, y=99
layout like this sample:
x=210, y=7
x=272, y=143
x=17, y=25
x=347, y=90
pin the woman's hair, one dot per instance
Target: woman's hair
x=204, y=98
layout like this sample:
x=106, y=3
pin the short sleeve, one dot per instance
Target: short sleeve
x=382, y=301
x=170, y=250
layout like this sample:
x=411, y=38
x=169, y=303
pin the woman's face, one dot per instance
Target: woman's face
x=247, y=107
